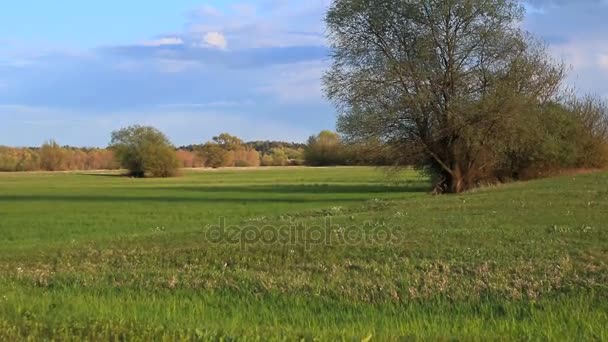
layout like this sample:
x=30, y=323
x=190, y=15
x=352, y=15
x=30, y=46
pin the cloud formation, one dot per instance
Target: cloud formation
x=251, y=69
x=603, y=61
x=575, y=32
x=166, y=41
x=274, y=23
x=216, y=40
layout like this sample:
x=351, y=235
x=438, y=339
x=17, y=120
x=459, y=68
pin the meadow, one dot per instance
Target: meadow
x=348, y=253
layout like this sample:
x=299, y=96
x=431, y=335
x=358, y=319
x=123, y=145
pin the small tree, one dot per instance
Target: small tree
x=228, y=142
x=324, y=149
x=213, y=155
x=52, y=156
x=279, y=157
x=144, y=151
x=267, y=160
x=592, y=114
x=246, y=157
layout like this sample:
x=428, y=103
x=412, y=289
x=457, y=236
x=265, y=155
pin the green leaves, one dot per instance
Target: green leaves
x=144, y=151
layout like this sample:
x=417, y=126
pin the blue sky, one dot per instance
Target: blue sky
x=75, y=70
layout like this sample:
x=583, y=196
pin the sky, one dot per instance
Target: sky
x=74, y=70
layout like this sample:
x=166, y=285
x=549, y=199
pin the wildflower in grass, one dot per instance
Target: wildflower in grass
x=172, y=282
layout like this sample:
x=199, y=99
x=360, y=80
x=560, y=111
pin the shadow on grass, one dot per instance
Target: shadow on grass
x=230, y=194
x=136, y=199
x=114, y=175
x=300, y=189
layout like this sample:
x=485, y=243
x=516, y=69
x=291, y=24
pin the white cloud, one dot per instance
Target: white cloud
x=273, y=23
x=216, y=40
x=166, y=41
x=184, y=126
x=577, y=54
x=575, y=33
x=603, y=62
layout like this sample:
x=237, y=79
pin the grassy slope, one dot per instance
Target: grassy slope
x=101, y=256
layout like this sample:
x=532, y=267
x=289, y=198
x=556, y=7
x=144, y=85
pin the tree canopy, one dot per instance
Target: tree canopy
x=324, y=149
x=144, y=151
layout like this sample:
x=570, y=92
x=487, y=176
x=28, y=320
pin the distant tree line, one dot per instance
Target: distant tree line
x=579, y=139
x=52, y=157
x=145, y=151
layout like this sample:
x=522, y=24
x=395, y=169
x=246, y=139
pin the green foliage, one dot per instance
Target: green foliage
x=283, y=156
x=242, y=163
x=267, y=160
x=419, y=77
x=264, y=147
x=325, y=149
x=213, y=155
x=591, y=114
x=228, y=151
x=279, y=157
x=19, y=159
x=554, y=138
x=144, y=151
x=228, y=142
x=294, y=155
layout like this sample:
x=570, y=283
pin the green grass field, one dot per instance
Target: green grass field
x=305, y=254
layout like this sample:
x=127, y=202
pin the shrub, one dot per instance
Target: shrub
x=144, y=151
x=245, y=157
x=324, y=149
x=227, y=150
x=267, y=160
x=213, y=155
x=242, y=163
x=279, y=157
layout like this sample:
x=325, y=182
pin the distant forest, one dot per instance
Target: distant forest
x=224, y=150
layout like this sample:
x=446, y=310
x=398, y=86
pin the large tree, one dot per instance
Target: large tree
x=451, y=82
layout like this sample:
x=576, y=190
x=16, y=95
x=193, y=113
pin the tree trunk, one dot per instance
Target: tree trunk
x=455, y=181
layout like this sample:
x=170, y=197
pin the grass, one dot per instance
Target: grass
x=312, y=254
